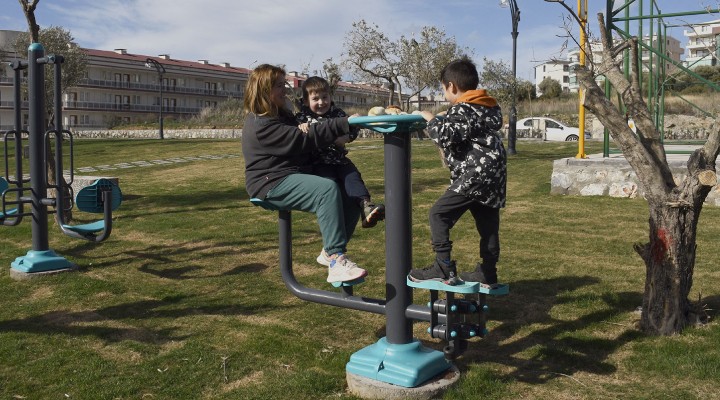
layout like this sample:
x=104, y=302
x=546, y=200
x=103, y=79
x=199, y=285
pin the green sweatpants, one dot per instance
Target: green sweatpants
x=337, y=214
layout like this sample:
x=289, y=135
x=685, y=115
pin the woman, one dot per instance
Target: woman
x=278, y=167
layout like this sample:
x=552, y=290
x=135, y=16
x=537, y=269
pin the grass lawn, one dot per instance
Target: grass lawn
x=185, y=300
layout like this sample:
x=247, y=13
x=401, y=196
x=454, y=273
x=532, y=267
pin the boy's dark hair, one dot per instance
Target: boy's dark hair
x=314, y=84
x=462, y=73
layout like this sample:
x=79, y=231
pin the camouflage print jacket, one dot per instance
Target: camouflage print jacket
x=332, y=154
x=473, y=149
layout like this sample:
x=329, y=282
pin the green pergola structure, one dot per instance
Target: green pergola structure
x=644, y=19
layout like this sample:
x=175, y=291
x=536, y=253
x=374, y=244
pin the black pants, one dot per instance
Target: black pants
x=347, y=177
x=446, y=212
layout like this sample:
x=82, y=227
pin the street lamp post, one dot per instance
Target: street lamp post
x=150, y=63
x=512, y=125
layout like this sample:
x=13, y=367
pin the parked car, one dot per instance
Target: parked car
x=554, y=130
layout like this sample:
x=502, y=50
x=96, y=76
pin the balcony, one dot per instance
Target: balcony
x=98, y=106
x=134, y=86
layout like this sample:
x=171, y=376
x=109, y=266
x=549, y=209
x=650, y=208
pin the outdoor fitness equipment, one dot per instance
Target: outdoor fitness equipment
x=102, y=196
x=398, y=358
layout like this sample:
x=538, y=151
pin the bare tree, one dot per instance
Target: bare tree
x=674, y=207
x=372, y=56
x=333, y=73
x=422, y=60
x=56, y=41
x=497, y=78
x=29, y=10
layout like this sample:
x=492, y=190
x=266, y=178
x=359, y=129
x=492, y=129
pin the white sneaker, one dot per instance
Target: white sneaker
x=324, y=258
x=341, y=269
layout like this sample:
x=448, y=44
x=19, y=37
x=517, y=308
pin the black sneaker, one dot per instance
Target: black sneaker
x=484, y=274
x=438, y=271
x=372, y=213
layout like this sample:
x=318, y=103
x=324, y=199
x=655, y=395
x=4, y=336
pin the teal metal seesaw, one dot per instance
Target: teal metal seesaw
x=398, y=358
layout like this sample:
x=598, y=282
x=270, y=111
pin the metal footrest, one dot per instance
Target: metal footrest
x=464, y=287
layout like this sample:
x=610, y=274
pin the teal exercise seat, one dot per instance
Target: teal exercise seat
x=102, y=196
x=264, y=204
x=3, y=213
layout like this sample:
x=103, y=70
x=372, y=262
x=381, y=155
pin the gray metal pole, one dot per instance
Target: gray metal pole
x=160, y=75
x=512, y=123
x=38, y=175
x=310, y=294
x=398, y=237
x=17, y=67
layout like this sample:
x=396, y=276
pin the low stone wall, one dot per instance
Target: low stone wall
x=609, y=177
x=154, y=134
x=677, y=127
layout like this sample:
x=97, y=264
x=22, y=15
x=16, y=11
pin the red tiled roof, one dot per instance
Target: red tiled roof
x=179, y=63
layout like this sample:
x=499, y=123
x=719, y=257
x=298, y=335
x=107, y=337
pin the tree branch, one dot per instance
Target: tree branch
x=29, y=10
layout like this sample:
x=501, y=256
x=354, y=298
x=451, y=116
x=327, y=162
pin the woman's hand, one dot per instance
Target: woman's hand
x=341, y=140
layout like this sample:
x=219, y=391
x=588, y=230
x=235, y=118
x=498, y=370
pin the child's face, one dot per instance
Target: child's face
x=318, y=102
x=277, y=95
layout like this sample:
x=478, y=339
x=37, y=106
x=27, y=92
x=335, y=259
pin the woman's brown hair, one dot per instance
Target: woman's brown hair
x=258, y=89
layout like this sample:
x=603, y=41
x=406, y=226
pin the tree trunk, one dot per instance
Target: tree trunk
x=674, y=207
x=669, y=261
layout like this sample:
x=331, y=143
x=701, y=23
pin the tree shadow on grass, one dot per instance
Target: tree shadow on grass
x=552, y=347
x=102, y=323
x=157, y=256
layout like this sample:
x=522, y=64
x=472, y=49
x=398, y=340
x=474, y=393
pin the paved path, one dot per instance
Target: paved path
x=150, y=163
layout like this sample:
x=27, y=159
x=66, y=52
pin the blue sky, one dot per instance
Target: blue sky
x=302, y=34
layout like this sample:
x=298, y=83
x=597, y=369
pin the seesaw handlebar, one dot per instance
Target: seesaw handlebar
x=390, y=123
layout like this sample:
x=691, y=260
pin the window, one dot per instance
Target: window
x=566, y=67
x=552, y=124
x=566, y=79
x=528, y=123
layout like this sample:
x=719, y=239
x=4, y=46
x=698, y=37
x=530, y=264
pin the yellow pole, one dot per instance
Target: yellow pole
x=582, y=13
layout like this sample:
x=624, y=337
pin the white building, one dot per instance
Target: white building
x=563, y=71
x=120, y=87
x=702, y=44
x=558, y=70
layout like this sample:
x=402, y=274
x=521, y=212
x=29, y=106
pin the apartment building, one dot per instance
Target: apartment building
x=563, y=70
x=558, y=70
x=702, y=40
x=122, y=87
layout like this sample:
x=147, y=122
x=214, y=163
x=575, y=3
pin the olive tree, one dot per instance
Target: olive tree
x=550, y=88
x=674, y=206
x=422, y=60
x=373, y=57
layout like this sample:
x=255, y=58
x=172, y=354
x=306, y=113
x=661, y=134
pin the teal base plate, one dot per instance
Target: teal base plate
x=40, y=261
x=407, y=365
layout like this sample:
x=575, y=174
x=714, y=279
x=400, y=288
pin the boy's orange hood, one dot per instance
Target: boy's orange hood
x=479, y=97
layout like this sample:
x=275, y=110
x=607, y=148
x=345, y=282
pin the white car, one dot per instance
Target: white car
x=554, y=130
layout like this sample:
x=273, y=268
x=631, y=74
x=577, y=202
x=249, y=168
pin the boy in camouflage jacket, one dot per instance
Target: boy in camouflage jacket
x=472, y=147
